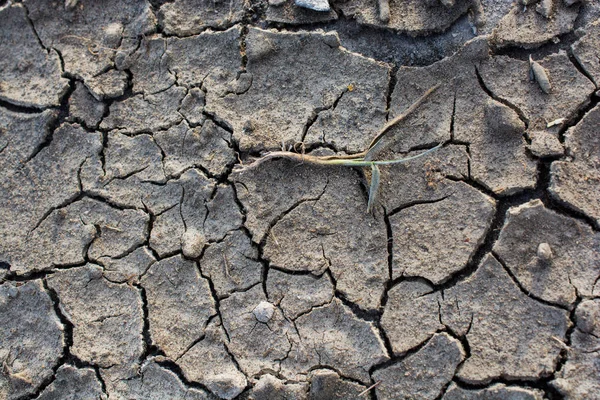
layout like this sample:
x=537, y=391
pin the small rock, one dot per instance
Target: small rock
x=587, y=316
x=192, y=243
x=544, y=144
x=544, y=252
x=264, y=311
x=316, y=5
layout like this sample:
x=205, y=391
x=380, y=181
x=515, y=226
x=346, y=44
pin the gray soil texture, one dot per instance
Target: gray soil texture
x=156, y=245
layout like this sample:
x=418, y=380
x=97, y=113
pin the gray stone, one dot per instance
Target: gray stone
x=209, y=363
x=269, y=387
x=153, y=383
x=298, y=294
x=263, y=312
x=142, y=113
x=128, y=268
x=106, y=317
x=84, y=108
x=544, y=144
x=30, y=75
x=411, y=315
x=232, y=264
x=498, y=391
x=192, y=243
x=333, y=336
x=585, y=50
x=332, y=231
x=436, y=240
x=108, y=85
x=587, y=315
x=32, y=338
x=574, y=182
x=256, y=346
x=413, y=17
x=508, y=79
x=573, y=268
x=72, y=383
x=520, y=340
x=315, y=5
x=347, y=104
x=29, y=194
x=325, y=384
x=207, y=147
x=89, y=35
x=190, y=17
x=423, y=374
x=286, y=11
x=179, y=304
x=525, y=27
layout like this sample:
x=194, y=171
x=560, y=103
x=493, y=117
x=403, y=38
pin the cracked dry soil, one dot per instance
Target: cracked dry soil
x=143, y=257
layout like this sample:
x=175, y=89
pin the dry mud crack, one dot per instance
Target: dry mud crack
x=144, y=256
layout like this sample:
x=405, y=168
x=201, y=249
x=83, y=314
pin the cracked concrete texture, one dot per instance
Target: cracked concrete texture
x=32, y=338
x=520, y=341
x=572, y=268
x=142, y=256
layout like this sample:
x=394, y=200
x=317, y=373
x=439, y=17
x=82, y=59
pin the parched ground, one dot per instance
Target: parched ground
x=144, y=256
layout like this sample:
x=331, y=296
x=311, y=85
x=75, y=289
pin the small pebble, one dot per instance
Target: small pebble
x=315, y=5
x=192, y=243
x=544, y=252
x=264, y=311
x=13, y=292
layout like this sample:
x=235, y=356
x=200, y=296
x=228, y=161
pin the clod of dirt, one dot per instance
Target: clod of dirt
x=521, y=340
x=416, y=17
x=298, y=294
x=132, y=155
x=286, y=11
x=89, y=35
x=332, y=335
x=32, y=338
x=508, y=80
x=84, y=107
x=128, y=268
x=142, y=113
x=545, y=144
x=29, y=75
x=498, y=391
x=69, y=380
x=106, y=317
x=528, y=28
x=192, y=243
x=153, y=382
x=347, y=104
x=574, y=182
x=190, y=17
x=436, y=240
x=206, y=146
x=573, y=268
x=30, y=194
x=208, y=362
x=179, y=304
x=578, y=376
x=587, y=51
x=325, y=384
x=422, y=374
x=269, y=387
x=411, y=315
x=255, y=345
x=232, y=264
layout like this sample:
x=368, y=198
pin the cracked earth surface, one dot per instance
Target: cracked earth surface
x=142, y=256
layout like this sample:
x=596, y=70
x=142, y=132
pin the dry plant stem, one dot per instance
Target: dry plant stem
x=363, y=159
